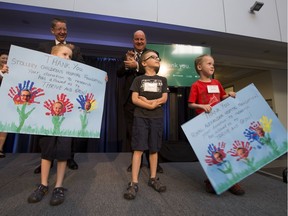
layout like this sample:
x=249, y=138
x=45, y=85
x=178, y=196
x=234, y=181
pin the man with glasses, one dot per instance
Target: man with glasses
x=130, y=69
x=25, y=95
x=59, y=30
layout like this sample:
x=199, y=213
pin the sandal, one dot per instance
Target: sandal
x=2, y=154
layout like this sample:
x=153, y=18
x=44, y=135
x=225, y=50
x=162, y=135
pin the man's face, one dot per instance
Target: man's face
x=3, y=59
x=60, y=31
x=139, y=41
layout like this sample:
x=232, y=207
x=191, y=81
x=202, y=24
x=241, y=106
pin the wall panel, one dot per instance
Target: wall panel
x=262, y=24
x=204, y=14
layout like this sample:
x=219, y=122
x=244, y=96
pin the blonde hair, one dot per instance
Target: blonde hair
x=199, y=60
x=55, y=49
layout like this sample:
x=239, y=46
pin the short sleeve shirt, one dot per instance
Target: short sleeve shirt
x=201, y=93
x=150, y=87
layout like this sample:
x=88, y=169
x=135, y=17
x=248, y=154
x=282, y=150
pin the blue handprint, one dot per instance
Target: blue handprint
x=81, y=100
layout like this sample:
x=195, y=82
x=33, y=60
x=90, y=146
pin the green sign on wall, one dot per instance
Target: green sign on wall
x=177, y=63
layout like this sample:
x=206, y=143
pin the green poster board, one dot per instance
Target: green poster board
x=177, y=63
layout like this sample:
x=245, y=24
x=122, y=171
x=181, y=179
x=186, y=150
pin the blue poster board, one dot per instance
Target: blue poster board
x=238, y=137
x=47, y=95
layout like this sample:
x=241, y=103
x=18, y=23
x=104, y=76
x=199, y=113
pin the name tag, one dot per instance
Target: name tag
x=150, y=87
x=213, y=89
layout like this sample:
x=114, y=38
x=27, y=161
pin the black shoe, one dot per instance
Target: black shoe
x=131, y=191
x=38, y=194
x=2, y=154
x=72, y=164
x=38, y=168
x=129, y=169
x=57, y=196
x=159, y=169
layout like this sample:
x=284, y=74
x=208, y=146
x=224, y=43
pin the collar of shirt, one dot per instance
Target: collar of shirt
x=57, y=42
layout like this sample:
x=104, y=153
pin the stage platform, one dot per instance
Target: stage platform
x=97, y=188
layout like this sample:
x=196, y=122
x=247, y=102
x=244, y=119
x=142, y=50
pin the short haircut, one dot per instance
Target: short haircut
x=3, y=53
x=56, y=20
x=144, y=54
x=198, y=60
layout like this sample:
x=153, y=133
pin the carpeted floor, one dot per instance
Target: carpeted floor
x=97, y=188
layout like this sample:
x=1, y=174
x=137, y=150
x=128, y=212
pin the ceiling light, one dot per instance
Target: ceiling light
x=256, y=7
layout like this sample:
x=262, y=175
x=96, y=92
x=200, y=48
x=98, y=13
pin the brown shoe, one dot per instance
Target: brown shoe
x=156, y=184
x=237, y=190
x=131, y=191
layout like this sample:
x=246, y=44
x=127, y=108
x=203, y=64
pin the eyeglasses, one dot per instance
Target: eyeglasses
x=25, y=95
x=153, y=57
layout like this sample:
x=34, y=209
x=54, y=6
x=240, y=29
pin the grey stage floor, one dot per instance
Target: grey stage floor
x=97, y=189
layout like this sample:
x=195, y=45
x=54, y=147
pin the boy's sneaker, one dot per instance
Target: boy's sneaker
x=57, y=196
x=208, y=187
x=131, y=191
x=236, y=190
x=156, y=184
x=38, y=194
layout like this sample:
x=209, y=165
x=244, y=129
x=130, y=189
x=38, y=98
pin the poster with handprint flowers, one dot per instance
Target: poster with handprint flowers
x=238, y=137
x=47, y=95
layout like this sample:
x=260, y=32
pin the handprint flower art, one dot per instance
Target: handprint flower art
x=216, y=154
x=241, y=150
x=254, y=133
x=217, y=157
x=87, y=102
x=24, y=94
x=260, y=131
x=87, y=105
x=57, y=109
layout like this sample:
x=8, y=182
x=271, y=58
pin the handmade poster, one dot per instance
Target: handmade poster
x=47, y=95
x=238, y=137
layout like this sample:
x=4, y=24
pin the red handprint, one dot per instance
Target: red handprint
x=67, y=105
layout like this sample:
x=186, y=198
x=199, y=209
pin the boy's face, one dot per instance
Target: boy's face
x=206, y=66
x=218, y=157
x=57, y=107
x=241, y=152
x=151, y=59
x=87, y=106
x=64, y=52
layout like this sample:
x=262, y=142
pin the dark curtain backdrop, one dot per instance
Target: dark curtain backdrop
x=113, y=126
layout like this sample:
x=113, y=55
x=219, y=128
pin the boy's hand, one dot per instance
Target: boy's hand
x=232, y=94
x=206, y=107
